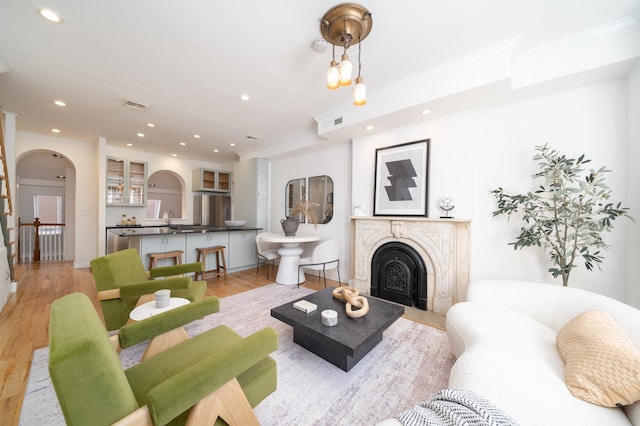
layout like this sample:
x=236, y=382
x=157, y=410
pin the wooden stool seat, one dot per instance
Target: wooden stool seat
x=175, y=254
x=202, y=257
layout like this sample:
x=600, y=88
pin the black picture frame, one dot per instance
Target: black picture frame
x=402, y=179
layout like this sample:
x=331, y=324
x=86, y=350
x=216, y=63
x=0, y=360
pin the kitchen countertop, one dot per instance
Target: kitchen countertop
x=139, y=231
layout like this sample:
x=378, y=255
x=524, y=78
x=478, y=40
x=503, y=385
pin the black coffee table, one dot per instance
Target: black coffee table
x=350, y=340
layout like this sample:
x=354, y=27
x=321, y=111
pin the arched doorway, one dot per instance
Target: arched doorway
x=164, y=195
x=45, y=188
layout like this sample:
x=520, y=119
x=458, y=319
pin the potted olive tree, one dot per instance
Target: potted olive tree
x=566, y=214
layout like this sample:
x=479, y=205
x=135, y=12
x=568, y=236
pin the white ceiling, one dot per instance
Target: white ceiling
x=190, y=61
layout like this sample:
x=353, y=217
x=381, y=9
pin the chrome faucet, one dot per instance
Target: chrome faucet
x=170, y=216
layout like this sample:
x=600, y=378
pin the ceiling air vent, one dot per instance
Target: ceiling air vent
x=136, y=105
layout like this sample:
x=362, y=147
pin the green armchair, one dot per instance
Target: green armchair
x=217, y=376
x=121, y=279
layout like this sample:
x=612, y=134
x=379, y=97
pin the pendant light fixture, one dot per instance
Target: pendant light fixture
x=333, y=73
x=359, y=90
x=340, y=26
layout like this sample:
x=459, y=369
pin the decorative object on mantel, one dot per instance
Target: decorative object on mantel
x=358, y=210
x=402, y=180
x=565, y=214
x=343, y=25
x=352, y=297
x=446, y=204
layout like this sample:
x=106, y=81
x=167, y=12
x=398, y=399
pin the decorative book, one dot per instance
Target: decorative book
x=305, y=306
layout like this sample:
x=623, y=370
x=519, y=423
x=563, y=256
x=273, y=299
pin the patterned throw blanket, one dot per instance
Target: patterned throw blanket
x=455, y=407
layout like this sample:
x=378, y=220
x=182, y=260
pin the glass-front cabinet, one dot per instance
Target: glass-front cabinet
x=211, y=180
x=126, y=182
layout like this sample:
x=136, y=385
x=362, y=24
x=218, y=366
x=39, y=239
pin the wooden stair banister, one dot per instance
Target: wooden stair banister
x=7, y=206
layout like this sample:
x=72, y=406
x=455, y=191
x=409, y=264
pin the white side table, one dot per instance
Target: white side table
x=290, y=252
x=149, y=309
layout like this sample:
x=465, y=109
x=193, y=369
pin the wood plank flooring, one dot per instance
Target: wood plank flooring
x=24, y=321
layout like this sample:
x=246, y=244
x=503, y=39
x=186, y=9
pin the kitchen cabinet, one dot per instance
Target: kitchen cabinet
x=126, y=182
x=241, y=251
x=158, y=244
x=211, y=180
x=251, y=192
x=208, y=239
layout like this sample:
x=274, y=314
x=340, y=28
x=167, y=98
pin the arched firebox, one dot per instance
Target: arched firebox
x=399, y=274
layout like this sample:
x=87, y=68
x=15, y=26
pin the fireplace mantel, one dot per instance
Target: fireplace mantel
x=442, y=243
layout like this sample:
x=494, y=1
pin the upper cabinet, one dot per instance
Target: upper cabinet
x=126, y=182
x=251, y=192
x=211, y=180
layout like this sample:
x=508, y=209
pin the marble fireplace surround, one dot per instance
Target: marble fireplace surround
x=443, y=244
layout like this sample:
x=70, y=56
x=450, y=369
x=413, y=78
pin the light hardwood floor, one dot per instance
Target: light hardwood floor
x=24, y=320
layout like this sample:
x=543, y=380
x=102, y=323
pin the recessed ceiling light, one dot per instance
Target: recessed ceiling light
x=369, y=127
x=183, y=143
x=61, y=177
x=425, y=112
x=55, y=130
x=129, y=144
x=196, y=136
x=245, y=97
x=55, y=154
x=141, y=135
x=232, y=144
x=60, y=103
x=174, y=155
x=215, y=150
x=151, y=125
x=251, y=138
x=50, y=15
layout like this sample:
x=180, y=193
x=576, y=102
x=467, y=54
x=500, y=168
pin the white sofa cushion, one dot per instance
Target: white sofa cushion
x=512, y=360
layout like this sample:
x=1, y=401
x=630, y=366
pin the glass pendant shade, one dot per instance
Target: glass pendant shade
x=346, y=68
x=359, y=92
x=333, y=76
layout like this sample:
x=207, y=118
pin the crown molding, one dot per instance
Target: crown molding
x=595, y=49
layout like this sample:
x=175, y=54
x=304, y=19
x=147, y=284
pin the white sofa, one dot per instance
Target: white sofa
x=504, y=339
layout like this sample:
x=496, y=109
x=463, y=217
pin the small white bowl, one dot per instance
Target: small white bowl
x=235, y=223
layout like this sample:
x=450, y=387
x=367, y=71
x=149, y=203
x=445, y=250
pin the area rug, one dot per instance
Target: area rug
x=410, y=364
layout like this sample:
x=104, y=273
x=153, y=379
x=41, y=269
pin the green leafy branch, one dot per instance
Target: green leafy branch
x=566, y=214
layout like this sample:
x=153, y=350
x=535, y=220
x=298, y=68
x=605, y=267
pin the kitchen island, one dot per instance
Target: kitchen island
x=239, y=242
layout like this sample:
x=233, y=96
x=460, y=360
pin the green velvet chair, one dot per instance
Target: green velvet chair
x=121, y=279
x=215, y=377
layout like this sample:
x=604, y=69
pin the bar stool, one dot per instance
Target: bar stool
x=202, y=257
x=176, y=255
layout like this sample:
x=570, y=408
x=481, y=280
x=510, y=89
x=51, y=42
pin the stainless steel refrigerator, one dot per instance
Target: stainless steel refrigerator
x=211, y=209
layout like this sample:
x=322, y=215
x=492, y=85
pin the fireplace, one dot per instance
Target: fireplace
x=441, y=245
x=398, y=273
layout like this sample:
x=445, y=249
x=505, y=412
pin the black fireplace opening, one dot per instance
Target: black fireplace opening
x=399, y=274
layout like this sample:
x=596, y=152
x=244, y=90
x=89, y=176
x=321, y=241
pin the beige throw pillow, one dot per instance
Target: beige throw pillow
x=602, y=365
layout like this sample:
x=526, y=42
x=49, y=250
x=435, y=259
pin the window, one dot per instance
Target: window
x=48, y=208
x=153, y=209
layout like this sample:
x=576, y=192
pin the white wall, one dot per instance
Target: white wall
x=334, y=161
x=633, y=193
x=83, y=156
x=475, y=151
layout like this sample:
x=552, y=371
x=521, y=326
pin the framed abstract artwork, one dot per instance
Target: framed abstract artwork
x=402, y=180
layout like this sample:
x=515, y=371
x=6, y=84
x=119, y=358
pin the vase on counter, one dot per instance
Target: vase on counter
x=289, y=226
